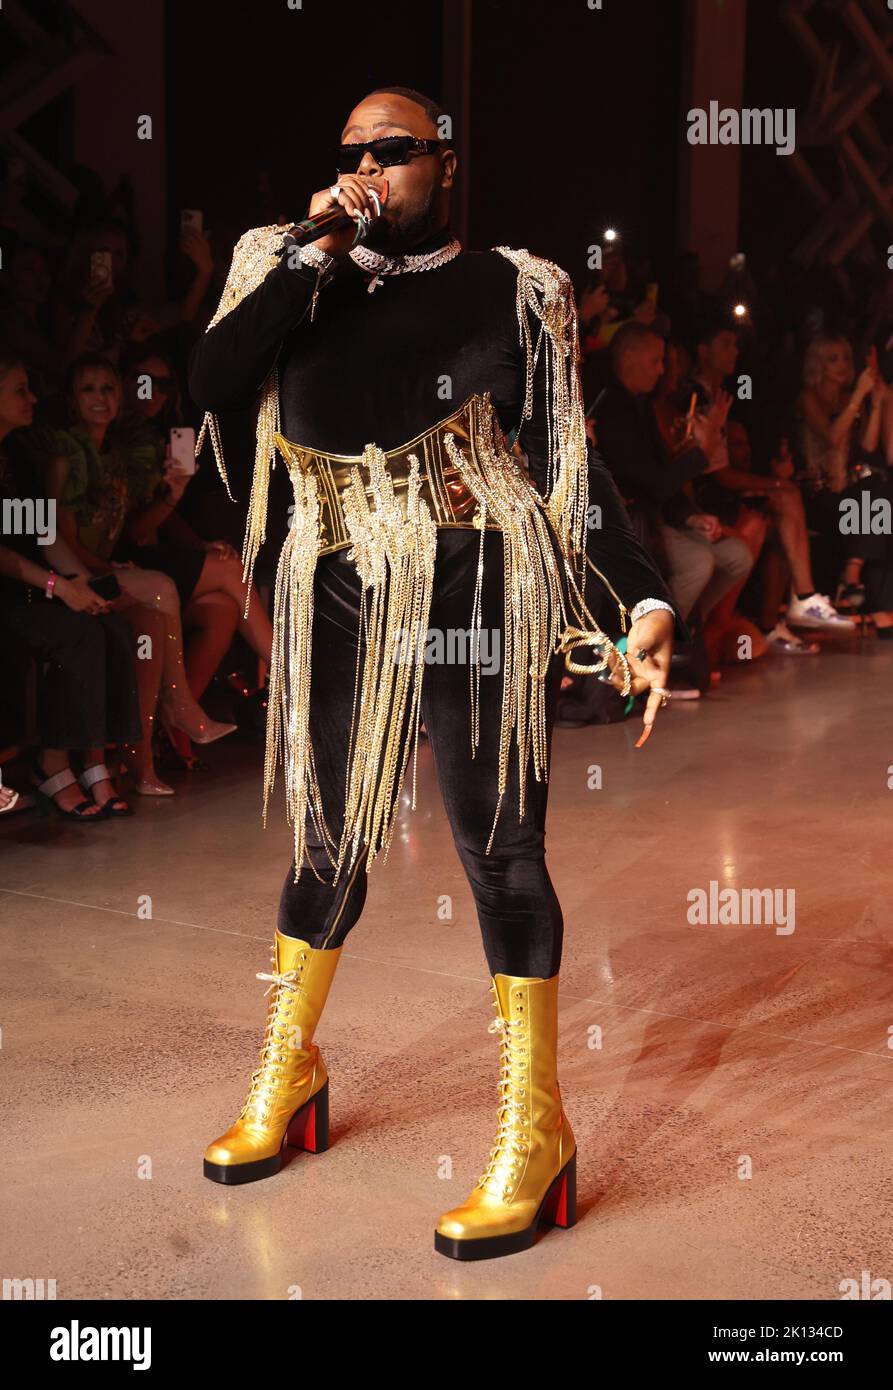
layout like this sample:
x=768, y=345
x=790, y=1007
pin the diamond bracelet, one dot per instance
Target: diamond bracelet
x=320, y=260
x=649, y=605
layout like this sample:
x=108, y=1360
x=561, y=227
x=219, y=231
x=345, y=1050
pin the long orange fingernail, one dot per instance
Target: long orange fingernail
x=645, y=736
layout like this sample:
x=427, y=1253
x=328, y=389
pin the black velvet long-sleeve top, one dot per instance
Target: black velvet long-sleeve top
x=384, y=366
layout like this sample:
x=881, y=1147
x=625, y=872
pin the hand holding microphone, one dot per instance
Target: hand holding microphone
x=356, y=198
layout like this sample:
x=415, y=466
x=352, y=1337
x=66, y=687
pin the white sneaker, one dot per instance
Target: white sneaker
x=783, y=641
x=818, y=612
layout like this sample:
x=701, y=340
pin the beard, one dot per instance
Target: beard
x=395, y=238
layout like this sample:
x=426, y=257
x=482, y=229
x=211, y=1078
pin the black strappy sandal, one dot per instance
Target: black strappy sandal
x=48, y=788
x=116, y=807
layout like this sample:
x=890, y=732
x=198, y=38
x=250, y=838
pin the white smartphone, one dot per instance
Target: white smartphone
x=182, y=451
x=191, y=219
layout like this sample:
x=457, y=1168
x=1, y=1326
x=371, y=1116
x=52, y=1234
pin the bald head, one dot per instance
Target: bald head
x=418, y=200
x=393, y=111
x=637, y=356
x=432, y=110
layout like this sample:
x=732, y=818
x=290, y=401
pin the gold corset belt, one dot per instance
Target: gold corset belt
x=448, y=497
x=388, y=507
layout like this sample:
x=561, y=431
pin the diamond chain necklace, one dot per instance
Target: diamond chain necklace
x=381, y=266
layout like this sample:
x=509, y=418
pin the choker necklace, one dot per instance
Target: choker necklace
x=381, y=265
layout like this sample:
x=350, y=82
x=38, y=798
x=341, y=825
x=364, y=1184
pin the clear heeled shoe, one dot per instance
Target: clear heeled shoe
x=180, y=710
x=153, y=786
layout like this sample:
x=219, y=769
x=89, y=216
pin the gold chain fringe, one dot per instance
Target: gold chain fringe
x=394, y=544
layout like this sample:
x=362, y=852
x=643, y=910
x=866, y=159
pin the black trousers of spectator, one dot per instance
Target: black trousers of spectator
x=88, y=695
x=518, y=912
x=875, y=548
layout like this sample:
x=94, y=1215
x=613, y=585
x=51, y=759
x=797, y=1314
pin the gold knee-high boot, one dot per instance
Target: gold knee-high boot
x=530, y=1179
x=288, y=1101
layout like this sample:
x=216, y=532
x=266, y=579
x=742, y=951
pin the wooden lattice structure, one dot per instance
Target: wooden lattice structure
x=843, y=118
x=46, y=66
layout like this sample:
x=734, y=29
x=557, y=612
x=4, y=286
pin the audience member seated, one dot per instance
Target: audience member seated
x=787, y=551
x=215, y=570
x=88, y=691
x=845, y=456
x=208, y=574
x=702, y=563
x=717, y=357
x=24, y=322
x=611, y=298
x=97, y=308
x=99, y=471
x=726, y=626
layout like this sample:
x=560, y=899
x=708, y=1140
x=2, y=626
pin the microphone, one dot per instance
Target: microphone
x=312, y=228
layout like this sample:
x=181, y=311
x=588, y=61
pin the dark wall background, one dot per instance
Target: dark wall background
x=576, y=116
x=773, y=210
x=258, y=89
x=570, y=127
x=573, y=125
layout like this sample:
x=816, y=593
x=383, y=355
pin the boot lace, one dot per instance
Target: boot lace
x=284, y=987
x=508, y=1154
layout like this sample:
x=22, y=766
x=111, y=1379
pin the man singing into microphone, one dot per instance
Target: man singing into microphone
x=389, y=371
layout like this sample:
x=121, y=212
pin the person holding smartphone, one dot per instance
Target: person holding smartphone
x=717, y=356
x=98, y=472
x=208, y=574
x=842, y=416
x=88, y=695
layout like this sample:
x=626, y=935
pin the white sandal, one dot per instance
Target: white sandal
x=48, y=788
x=98, y=772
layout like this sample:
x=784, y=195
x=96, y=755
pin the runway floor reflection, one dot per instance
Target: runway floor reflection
x=729, y=1084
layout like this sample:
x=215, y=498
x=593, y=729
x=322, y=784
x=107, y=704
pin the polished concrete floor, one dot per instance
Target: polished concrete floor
x=730, y=1086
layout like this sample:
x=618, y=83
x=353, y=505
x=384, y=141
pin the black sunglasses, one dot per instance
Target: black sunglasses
x=388, y=151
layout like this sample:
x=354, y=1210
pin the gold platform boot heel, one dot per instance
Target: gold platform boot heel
x=531, y=1178
x=288, y=1102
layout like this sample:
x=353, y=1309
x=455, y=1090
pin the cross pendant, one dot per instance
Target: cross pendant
x=374, y=283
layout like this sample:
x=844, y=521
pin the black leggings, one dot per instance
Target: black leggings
x=518, y=911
